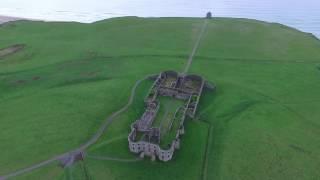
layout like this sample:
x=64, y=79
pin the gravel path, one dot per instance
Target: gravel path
x=98, y=134
x=195, y=47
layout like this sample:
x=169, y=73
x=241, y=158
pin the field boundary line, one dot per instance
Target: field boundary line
x=208, y=145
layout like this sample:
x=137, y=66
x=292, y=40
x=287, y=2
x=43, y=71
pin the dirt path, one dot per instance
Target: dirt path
x=125, y=136
x=110, y=119
x=94, y=138
x=195, y=47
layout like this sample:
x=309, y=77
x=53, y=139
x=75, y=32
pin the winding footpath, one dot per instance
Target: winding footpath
x=91, y=141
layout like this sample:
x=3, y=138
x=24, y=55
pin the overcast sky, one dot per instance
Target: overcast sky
x=303, y=14
x=38, y=8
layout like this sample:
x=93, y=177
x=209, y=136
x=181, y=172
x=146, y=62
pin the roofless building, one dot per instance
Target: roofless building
x=172, y=98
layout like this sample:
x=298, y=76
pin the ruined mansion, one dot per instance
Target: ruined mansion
x=148, y=138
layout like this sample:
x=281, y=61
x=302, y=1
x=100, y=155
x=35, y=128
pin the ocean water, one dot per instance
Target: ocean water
x=303, y=15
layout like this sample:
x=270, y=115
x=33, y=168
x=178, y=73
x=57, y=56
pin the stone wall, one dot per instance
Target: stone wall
x=150, y=149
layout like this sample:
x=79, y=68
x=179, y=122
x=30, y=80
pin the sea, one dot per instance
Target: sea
x=301, y=14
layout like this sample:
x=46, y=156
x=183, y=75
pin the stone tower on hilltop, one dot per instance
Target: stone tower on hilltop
x=209, y=15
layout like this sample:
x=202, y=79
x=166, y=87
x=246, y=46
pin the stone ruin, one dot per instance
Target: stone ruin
x=145, y=137
x=209, y=15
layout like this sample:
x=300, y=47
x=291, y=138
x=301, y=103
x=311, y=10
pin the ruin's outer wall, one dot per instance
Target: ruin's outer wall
x=150, y=148
x=153, y=149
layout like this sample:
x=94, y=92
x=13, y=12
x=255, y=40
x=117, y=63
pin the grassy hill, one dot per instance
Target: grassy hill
x=261, y=123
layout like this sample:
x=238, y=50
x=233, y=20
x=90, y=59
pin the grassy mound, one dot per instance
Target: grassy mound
x=261, y=123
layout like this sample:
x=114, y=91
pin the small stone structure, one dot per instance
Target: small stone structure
x=73, y=157
x=209, y=15
x=145, y=138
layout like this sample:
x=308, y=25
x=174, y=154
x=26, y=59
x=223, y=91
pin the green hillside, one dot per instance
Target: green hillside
x=262, y=122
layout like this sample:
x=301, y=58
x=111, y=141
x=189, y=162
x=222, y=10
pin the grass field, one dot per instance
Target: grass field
x=57, y=91
x=165, y=117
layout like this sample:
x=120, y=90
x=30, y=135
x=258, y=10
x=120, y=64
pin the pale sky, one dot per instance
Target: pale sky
x=47, y=9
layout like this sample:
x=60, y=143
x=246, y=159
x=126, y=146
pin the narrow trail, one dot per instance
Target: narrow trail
x=111, y=140
x=91, y=141
x=195, y=47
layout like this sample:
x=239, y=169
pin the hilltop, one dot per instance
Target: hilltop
x=261, y=123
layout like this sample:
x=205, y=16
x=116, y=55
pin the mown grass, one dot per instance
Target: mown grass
x=263, y=123
x=168, y=131
x=56, y=92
